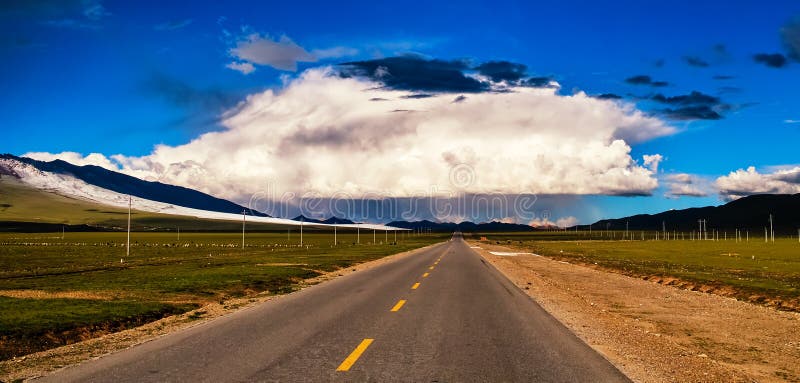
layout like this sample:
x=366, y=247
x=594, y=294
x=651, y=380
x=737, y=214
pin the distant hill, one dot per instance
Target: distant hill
x=329, y=221
x=747, y=213
x=463, y=226
x=125, y=184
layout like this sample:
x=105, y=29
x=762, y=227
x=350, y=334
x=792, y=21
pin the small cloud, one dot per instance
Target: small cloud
x=502, y=70
x=282, y=53
x=692, y=113
x=652, y=161
x=790, y=34
x=645, y=80
x=694, y=97
x=772, y=60
x=418, y=95
x=172, y=25
x=790, y=121
x=695, y=61
x=242, y=67
x=608, y=96
x=687, y=185
x=693, y=106
x=95, y=11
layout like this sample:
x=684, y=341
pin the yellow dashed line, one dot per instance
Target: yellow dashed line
x=425, y=275
x=353, y=357
x=415, y=286
x=430, y=268
x=399, y=305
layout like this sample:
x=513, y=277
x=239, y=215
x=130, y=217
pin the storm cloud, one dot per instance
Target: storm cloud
x=416, y=73
x=502, y=70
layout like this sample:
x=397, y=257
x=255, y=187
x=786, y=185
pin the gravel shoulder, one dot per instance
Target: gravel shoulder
x=41, y=363
x=658, y=333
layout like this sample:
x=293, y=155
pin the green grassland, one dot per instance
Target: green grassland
x=162, y=275
x=57, y=288
x=750, y=270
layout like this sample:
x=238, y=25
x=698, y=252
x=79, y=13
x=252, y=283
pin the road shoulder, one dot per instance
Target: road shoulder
x=657, y=333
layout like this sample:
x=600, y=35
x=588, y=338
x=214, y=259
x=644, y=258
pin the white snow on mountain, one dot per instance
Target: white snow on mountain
x=70, y=186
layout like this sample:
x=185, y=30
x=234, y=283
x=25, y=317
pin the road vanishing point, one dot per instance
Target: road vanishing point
x=441, y=314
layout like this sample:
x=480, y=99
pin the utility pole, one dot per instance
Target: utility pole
x=301, y=231
x=243, y=222
x=373, y=237
x=626, y=230
x=386, y=236
x=179, y=233
x=335, y=242
x=62, y=232
x=128, y=246
x=358, y=235
x=771, y=230
x=395, y=236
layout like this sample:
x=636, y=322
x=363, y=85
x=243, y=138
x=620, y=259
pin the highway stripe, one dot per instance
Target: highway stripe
x=353, y=357
x=430, y=268
x=399, y=305
x=425, y=275
x=415, y=286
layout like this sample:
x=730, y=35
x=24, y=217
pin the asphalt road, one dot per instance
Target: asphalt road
x=440, y=315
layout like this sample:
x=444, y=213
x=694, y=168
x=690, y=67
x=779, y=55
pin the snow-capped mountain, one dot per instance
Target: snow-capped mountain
x=105, y=187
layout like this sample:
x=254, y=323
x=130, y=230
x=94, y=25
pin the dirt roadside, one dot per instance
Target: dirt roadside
x=658, y=333
x=42, y=363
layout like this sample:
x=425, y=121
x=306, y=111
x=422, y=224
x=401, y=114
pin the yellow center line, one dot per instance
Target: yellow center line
x=415, y=286
x=399, y=305
x=430, y=268
x=425, y=275
x=353, y=357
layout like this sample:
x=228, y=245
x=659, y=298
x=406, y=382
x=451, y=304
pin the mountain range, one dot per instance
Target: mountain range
x=747, y=213
x=106, y=187
x=128, y=185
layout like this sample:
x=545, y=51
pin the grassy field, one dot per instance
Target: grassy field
x=55, y=291
x=756, y=271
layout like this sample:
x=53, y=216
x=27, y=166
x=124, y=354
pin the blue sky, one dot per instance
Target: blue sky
x=120, y=77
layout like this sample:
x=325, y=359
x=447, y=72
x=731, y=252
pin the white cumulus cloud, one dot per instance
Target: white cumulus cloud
x=327, y=134
x=687, y=185
x=744, y=182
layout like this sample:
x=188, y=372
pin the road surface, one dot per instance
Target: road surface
x=440, y=315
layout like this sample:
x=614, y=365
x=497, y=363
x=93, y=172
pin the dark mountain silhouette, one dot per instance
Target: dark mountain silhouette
x=125, y=184
x=329, y=221
x=747, y=213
